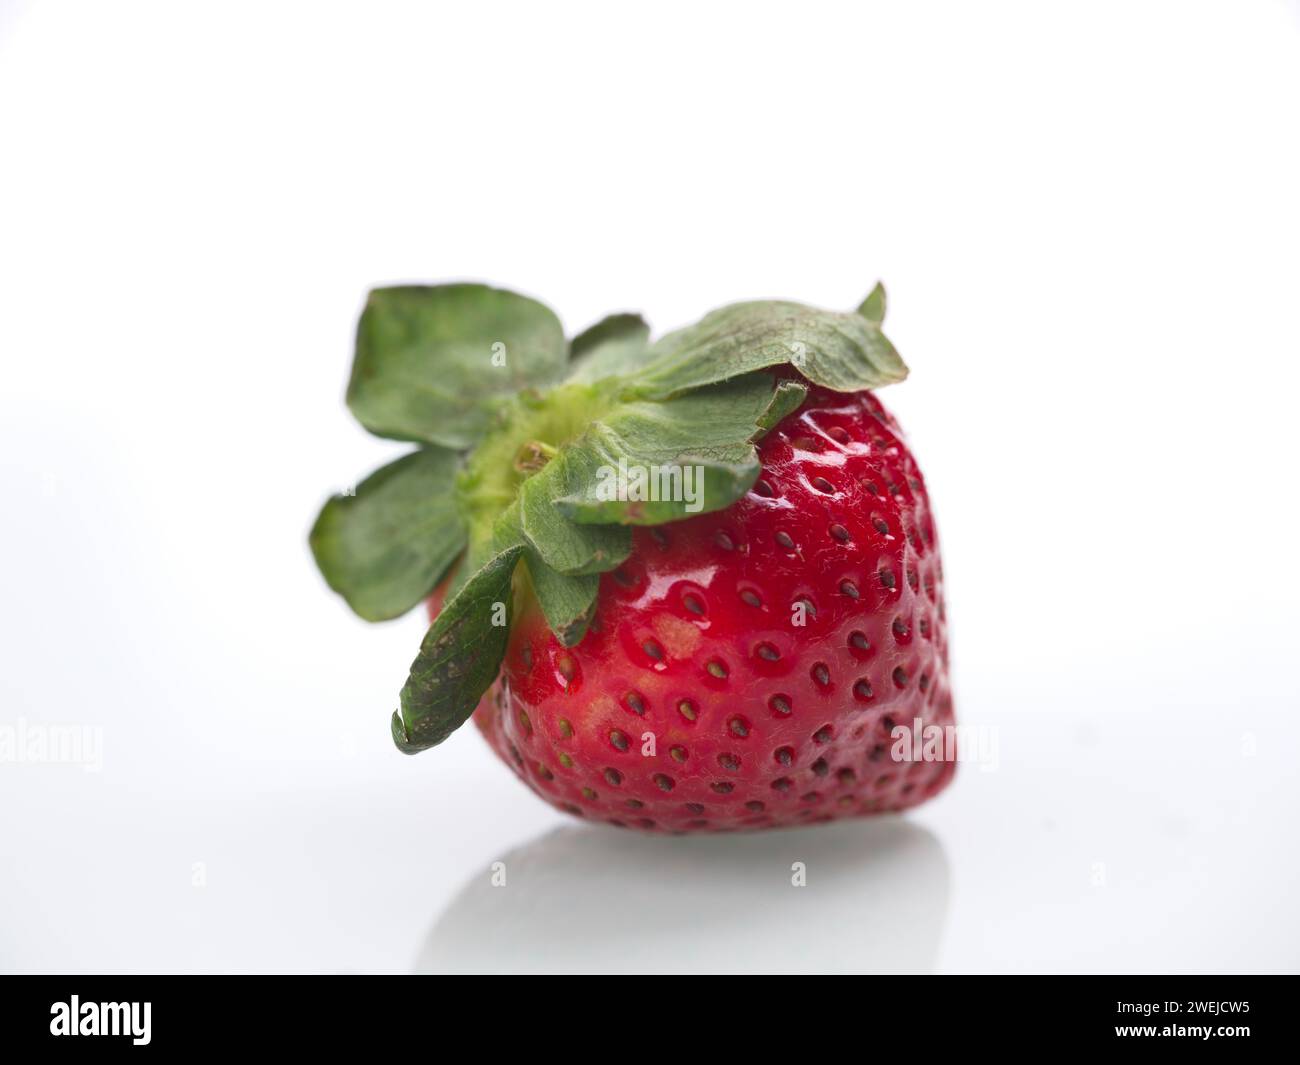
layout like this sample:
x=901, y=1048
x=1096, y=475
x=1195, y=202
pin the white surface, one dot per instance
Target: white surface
x=1088, y=222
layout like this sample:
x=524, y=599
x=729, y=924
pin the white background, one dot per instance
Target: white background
x=1087, y=216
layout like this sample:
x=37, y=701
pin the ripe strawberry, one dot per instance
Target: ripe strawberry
x=696, y=652
x=737, y=658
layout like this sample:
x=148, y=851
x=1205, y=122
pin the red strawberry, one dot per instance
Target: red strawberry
x=745, y=647
x=755, y=721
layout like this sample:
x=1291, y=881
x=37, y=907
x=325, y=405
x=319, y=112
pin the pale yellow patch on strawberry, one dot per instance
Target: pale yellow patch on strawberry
x=600, y=709
x=680, y=638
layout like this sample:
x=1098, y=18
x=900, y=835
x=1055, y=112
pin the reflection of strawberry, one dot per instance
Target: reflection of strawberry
x=736, y=657
x=755, y=720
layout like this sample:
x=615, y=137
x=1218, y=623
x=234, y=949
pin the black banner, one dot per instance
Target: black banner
x=149, y=1014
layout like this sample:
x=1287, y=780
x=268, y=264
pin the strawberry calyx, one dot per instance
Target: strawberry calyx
x=536, y=450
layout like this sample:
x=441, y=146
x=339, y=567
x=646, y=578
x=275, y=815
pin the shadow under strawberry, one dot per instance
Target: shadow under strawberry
x=580, y=900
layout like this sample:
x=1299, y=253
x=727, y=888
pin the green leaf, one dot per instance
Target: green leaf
x=787, y=399
x=843, y=352
x=568, y=600
x=612, y=347
x=565, y=546
x=873, y=307
x=459, y=658
x=647, y=462
x=432, y=361
x=385, y=548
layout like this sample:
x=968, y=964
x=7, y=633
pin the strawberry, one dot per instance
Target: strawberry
x=738, y=643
